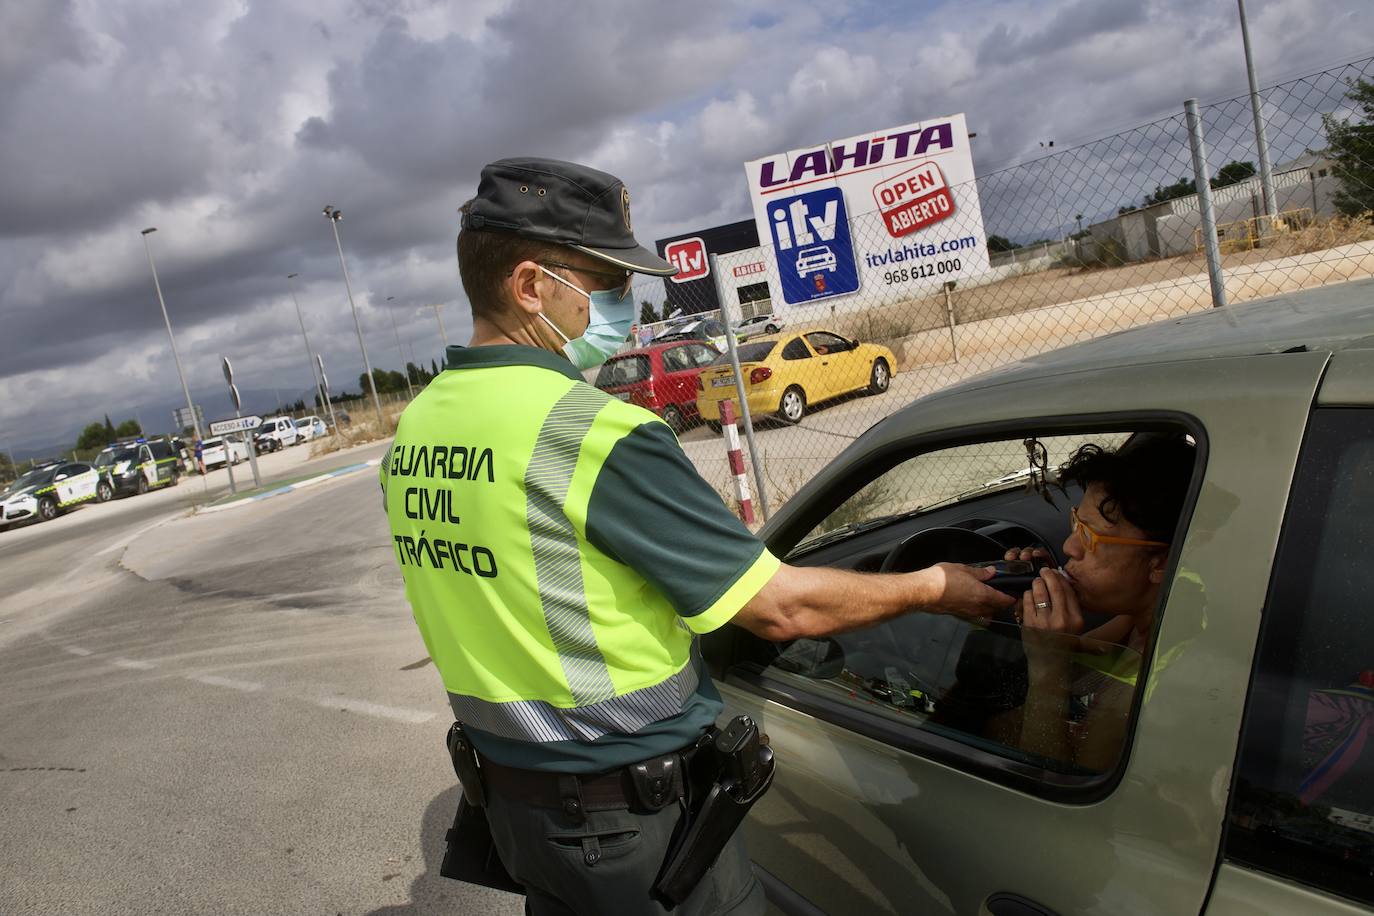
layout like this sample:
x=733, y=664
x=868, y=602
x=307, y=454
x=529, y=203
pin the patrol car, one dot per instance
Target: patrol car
x=49, y=490
x=140, y=466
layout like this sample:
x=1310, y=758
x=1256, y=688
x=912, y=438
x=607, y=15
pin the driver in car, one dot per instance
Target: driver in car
x=1080, y=684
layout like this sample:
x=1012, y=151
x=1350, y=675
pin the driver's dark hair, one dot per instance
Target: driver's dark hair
x=1144, y=482
x=485, y=259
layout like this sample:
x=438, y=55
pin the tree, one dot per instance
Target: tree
x=109, y=428
x=1351, y=148
x=433, y=369
x=647, y=313
x=127, y=428
x=999, y=243
x=1233, y=172
x=94, y=436
x=1181, y=188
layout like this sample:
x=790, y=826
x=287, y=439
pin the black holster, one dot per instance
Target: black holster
x=743, y=770
x=471, y=854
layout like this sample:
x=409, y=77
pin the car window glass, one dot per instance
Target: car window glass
x=825, y=342
x=748, y=353
x=795, y=349
x=623, y=371
x=701, y=355
x=1055, y=706
x=1303, y=805
x=675, y=360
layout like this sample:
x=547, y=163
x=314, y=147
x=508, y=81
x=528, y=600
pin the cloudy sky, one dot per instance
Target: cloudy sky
x=228, y=124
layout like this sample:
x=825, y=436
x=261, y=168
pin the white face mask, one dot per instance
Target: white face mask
x=610, y=314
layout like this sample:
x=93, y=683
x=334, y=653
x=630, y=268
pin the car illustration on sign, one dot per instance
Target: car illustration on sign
x=818, y=258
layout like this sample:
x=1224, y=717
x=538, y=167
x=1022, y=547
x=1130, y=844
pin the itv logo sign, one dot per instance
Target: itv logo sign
x=689, y=257
x=814, y=250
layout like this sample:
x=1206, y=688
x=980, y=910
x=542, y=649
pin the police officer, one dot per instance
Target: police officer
x=561, y=553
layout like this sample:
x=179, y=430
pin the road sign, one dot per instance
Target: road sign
x=236, y=425
x=228, y=371
x=324, y=379
x=814, y=251
x=182, y=418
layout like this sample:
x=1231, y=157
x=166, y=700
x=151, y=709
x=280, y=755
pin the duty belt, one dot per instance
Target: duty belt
x=649, y=784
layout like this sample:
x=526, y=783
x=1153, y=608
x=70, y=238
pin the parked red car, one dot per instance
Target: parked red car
x=661, y=377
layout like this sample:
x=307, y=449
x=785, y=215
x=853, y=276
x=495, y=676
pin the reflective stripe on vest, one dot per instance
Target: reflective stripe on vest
x=550, y=639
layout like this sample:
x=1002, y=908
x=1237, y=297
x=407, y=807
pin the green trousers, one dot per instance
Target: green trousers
x=607, y=862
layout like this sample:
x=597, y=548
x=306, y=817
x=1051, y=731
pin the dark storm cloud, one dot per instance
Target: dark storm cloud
x=229, y=124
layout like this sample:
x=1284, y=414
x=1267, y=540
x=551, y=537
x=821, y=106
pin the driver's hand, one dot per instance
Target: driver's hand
x=1030, y=554
x=960, y=590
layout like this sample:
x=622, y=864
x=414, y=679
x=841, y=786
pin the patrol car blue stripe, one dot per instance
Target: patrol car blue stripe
x=535, y=720
x=557, y=557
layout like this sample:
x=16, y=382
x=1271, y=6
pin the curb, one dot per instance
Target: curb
x=330, y=475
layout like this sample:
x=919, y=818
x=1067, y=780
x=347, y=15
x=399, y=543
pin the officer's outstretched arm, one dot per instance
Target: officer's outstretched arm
x=802, y=601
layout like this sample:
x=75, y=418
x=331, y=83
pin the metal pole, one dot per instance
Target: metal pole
x=195, y=421
x=1204, y=204
x=440, y=318
x=313, y=376
x=949, y=312
x=334, y=216
x=329, y=404
x=252, y=452
x=400, y=353
x=733, y=351
x=1261, y=139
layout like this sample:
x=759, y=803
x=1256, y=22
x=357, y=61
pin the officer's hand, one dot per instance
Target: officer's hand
x=960, y=590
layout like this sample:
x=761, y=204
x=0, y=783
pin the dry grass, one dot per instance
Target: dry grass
x=363, y=429
x=1332, y=233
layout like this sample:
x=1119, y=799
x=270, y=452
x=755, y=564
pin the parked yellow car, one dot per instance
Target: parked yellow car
x=784, y=373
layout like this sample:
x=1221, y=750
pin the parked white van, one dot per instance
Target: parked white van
x=311, y=427
x=276, y=433
x=212, y=451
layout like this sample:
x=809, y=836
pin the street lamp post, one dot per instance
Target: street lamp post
x=313, y=376
x=195, y=421
x=334, y=215
x=1271, y=208
x=400, y=354
x=443, y=335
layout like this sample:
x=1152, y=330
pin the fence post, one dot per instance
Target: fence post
x=727, y=319
x=1204, y=204
x=949, y=313
x=727, y=423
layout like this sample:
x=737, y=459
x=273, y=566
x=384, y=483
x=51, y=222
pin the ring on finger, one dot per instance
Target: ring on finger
x=1041, y=605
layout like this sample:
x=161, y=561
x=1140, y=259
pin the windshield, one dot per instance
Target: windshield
x=748, y=353
x=112, y=456
x=33, y=478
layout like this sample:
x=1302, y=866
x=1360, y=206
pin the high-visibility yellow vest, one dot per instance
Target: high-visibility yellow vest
x=538, y=635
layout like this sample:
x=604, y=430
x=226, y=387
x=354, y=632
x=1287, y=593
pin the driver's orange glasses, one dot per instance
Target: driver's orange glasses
x=1091, y=538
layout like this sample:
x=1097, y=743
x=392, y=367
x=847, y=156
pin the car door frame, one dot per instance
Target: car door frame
x=1152, y=830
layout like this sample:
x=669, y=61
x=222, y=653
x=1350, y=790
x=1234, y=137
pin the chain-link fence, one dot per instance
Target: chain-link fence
x=1078, y=243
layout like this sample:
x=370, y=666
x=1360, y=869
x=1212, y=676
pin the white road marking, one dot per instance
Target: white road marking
x=216, y=681
x=125, y=542
x=363, y=707
x=76, y=650
x=133, y=664
x=313, y=480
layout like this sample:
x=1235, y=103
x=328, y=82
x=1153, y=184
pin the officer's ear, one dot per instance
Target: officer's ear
x=523, y=287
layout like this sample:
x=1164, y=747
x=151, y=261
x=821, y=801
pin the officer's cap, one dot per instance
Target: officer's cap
x=564, y=203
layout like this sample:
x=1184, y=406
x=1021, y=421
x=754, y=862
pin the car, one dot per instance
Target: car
x=275, y=433
x=140, y=465
x=813, y=259
x=212, y=451
x=661, y=377
x=47, y=491
x=767, y=323
x=311, y=427
x=710, y=330
x=1239, y=776
x=785, y=375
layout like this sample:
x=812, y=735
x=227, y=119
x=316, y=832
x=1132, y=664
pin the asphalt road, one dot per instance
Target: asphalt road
x=224, y=713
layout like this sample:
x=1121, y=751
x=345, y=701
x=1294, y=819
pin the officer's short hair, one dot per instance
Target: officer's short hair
x=485, y=261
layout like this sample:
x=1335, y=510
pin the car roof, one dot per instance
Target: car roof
x=662, y=345
x=790, y=333
x=1335, y=317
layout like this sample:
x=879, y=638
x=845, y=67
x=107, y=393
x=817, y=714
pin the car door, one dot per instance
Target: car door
x=841, y=363
x=66, y=484
x=680, y=370
x=147, y=465
x=880, y=805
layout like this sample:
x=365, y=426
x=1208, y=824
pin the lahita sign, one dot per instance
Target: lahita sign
x=907, y=195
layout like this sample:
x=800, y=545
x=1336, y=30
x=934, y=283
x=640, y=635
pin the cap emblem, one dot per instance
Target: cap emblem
x=625, y=206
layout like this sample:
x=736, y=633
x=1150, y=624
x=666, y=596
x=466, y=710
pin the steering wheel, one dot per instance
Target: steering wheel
x=941, y=545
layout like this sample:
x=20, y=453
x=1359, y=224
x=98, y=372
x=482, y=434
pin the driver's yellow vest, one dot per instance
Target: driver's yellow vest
x=537, y=634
